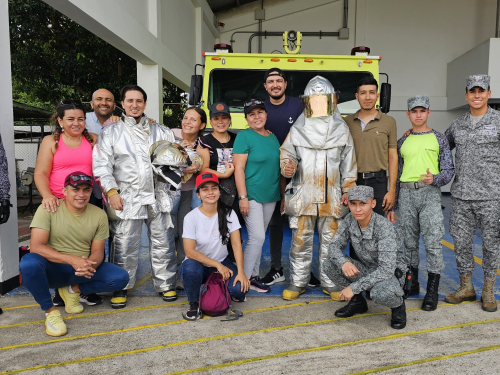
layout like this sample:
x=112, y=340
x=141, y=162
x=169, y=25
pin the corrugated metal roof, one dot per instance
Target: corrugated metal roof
x=218, y=5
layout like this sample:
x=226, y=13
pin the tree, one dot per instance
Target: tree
x=54, y=58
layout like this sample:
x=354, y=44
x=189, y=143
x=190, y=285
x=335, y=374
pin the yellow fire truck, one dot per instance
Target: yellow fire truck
x=233, y=78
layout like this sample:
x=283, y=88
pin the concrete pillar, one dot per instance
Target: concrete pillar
x=199, y=35
x=150, y=78
x=9, y=254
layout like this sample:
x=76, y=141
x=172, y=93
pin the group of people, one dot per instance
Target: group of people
x=297, y=157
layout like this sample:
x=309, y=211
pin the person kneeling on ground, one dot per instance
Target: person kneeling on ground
x=67, y=252
x=380, y=254
x=207, y=230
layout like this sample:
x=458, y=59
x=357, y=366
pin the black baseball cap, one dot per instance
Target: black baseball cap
x=219, y=108
x=274, y=72
x=77, y=178
x=253, y=103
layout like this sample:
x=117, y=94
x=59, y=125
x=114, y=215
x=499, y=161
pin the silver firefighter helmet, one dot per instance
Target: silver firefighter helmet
x=168, y=160
x=168, y=153
x=319, y=99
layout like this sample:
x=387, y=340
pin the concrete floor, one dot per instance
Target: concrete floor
x=274, y=336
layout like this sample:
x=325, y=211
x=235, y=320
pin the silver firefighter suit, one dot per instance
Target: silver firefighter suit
x=121, y=160
x=322, y=153
x=380, y=251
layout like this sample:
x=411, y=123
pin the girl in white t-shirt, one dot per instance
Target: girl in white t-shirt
x=207, y=230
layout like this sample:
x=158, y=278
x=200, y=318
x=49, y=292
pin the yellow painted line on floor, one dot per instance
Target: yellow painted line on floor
x=98, y=314
x=137, y=285
x=204, y=339
x=158, y=306
x=301, y=351
x=161, y=324
x=427, y=360
x=19, y=307
x=92, y=335
x=476, y=259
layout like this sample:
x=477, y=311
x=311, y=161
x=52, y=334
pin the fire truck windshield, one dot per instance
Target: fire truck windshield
x=235, y=86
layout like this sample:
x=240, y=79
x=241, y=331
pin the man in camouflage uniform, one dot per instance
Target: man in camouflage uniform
x=476, y=190
x=425, y=164
x=4, y=188
x=379, y=249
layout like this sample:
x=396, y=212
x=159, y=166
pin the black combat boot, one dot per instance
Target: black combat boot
x=415, y=286
x=431, y=297
x=357, y=305
x=398, y=317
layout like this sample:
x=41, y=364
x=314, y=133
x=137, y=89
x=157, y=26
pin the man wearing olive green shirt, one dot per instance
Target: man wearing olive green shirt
x=375, y=144
x=67, y=252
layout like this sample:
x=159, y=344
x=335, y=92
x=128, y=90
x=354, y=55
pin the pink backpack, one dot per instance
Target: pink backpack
x=215, y=299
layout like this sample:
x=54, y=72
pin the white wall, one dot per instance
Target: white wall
x=416, y=38
x=311, y=15
x=178, y=29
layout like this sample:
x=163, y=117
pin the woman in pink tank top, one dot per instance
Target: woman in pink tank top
x=67, y=150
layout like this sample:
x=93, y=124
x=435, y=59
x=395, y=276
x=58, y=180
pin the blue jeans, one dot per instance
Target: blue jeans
x=195, y=201
x=194, y=274
x=39, y=274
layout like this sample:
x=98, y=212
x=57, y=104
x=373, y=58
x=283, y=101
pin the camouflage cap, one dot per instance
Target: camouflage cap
x=360, y=193
x=418, y=101
x=478, y=80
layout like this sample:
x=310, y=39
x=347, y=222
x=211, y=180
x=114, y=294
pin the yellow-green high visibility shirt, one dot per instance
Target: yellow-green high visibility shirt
x=419, y=151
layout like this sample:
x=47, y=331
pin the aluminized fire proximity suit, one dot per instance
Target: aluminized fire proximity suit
x=322, y=153
x=121, y=160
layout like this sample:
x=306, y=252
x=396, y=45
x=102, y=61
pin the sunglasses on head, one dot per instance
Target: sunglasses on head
x=74, y=178
x=253, y=103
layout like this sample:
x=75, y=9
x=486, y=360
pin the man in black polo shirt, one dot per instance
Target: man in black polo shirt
x=282, y=111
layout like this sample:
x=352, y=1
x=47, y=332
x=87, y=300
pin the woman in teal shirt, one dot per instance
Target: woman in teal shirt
x=256, y=157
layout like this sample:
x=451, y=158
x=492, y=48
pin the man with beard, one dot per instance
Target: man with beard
x=282, y=111
x=122, y=165
x=103, y=104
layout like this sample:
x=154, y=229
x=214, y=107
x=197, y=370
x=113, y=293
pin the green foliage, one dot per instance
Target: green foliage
x=172, y=114
x=55, y=58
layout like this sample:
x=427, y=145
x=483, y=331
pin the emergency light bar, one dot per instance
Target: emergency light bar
x=360, y=51
x=223, y=48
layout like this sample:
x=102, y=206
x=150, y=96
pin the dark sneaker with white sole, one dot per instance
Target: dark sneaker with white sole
x=57, y=300
x=194, y=312
x=257, y=285
x=313, y=281
x=273, y=276
x=91, y=299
